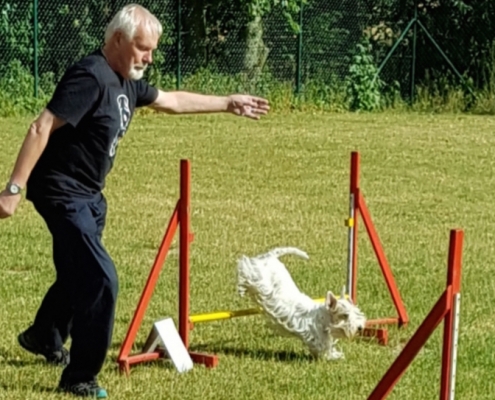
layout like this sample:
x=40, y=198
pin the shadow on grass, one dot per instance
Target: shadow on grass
x=257, y=354
x=26, y=360
x=228, y=350
x=32, y=388
x=237, y=351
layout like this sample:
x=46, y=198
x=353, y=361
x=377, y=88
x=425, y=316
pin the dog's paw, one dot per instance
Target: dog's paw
x=335, y=355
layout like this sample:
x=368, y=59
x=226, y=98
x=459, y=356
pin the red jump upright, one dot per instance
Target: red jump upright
x=446, y=309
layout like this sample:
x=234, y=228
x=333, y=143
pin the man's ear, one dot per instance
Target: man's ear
x=118, y=37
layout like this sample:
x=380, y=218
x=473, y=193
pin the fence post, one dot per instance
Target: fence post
x=35, y=47
x=178, y=28
x=415, y=38
x=299, y=50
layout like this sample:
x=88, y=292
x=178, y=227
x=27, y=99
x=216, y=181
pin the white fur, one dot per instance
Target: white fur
x=289, y=311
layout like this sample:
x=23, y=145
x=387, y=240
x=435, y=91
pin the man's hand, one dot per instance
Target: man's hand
x=247, y=106
x=8, y=203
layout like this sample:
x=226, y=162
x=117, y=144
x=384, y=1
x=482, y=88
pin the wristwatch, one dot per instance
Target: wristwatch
x=13, y=188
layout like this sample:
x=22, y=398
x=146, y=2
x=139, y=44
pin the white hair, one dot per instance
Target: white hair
x=129, y=18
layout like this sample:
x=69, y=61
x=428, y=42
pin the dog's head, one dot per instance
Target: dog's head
x=346, y=318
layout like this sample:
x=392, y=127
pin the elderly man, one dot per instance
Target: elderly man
x=63, y=162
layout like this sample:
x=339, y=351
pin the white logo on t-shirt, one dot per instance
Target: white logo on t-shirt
x=125, y=118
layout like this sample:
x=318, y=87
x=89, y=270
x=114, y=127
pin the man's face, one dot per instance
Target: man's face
x=137, y=53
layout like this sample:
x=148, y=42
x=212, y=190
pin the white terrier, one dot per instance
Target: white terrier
x=292, y=313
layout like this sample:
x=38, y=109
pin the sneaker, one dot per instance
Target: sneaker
x=59, y=357
x=84, y=389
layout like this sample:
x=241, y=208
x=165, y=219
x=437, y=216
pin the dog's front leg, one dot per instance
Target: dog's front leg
x=332, y=353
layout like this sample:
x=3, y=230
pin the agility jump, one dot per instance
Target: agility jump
x=357, y=206
x=180, y=219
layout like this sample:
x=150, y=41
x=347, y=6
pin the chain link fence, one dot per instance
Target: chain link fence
x=219, y=45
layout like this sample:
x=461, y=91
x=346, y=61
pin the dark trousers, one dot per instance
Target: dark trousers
x=81, y=301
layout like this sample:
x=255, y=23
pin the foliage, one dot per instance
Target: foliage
x=260, y=8
x=363, y=83
x=15, y=33
x=256, y=43
x=16, y=87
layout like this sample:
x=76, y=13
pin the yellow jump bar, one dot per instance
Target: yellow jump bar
x=219, y=315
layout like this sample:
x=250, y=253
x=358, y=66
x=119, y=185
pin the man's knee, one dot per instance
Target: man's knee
x=108, y=280
x=111, y=281
x=98, y=282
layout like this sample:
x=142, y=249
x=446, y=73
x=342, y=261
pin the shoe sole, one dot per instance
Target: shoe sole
x=32, y=350
x=25, y=346
x=102, y=393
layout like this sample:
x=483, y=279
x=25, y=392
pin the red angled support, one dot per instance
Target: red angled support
x=382, y=260
x=446, y=309
x=123, y=359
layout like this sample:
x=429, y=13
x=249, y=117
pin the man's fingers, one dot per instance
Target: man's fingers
x=8, y=205
x=264, y=108
x=258, y=102
x=259, y=111
x=254, y=112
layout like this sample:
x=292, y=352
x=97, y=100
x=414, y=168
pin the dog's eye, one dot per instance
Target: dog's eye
x=345, y=315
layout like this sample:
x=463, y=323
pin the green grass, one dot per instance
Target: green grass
x=279, y=181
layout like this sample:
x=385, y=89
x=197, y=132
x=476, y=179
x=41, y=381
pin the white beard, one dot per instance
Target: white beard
x=136, y=73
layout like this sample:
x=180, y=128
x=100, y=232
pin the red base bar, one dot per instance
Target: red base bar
x=381, y=335
x=208, y=360
x=144, y=357
x=125, y=364
x=382, y=321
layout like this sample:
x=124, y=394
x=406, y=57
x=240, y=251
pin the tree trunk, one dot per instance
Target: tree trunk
x=256, y=52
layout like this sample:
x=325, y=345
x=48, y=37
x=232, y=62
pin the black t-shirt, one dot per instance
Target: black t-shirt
x=98, y=105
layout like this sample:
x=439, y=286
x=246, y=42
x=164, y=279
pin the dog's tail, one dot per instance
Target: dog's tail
x=282, y=251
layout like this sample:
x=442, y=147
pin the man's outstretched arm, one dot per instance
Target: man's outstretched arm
x=180, y=102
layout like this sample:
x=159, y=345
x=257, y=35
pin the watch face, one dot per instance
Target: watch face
x=14, y=189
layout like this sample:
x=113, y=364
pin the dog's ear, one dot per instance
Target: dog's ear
x=331, y=301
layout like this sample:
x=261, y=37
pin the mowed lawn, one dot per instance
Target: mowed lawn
x=260, y=184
